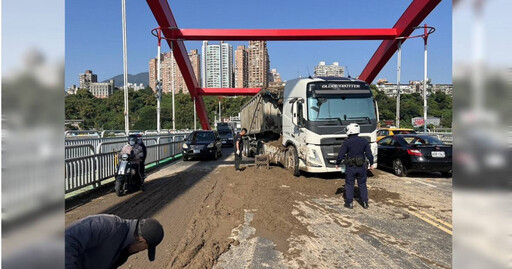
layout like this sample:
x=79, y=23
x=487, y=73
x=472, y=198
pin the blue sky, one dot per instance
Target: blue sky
x=94, y=35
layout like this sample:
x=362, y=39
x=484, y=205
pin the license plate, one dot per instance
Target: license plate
x=438, y=154
x=197, y=151
x=223, y=142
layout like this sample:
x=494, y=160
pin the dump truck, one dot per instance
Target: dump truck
x=301, y=126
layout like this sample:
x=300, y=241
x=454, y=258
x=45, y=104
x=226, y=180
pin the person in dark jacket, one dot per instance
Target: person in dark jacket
x=137, y=155
x=239, y=146
x=356, y=149
x=106, y=241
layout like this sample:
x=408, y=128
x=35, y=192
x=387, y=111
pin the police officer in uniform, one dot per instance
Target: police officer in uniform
x=353, y=153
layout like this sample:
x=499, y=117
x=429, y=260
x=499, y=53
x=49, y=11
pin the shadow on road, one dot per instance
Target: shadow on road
x=157, y=192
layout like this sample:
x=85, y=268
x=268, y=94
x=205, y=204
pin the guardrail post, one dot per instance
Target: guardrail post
x=158, y=150
x=96, y=168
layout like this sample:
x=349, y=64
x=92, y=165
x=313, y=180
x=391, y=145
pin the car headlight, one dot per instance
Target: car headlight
x=314, y=159
x=185, y=146
x=210, y=145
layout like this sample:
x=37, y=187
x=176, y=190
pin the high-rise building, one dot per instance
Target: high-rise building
x=274, y=79
x=217, y=65
x=102, y=89
x=258, y=64
x=170, y=72
x=334, y=70
x=152, y=74
x=86, y=78
x=241, y=71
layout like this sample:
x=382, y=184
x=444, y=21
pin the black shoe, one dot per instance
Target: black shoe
x=365, y=205
x=349, y=205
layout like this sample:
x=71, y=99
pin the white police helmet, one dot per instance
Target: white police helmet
x=353, y=128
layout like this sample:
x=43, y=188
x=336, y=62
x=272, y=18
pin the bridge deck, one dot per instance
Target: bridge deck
x=214, y=216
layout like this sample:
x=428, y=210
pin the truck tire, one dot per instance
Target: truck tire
x=292, y=160
x=247, y=150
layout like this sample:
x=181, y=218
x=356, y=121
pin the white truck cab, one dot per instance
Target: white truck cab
x=315, y=114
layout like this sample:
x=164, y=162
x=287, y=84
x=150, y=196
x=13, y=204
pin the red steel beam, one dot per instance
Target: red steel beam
x=282, y=34
x=412, y=17
x=228, y=91
x=165, y=19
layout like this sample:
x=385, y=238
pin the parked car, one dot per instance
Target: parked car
x=383, y=132
x=414, y=153
x=202, y=144
x=226, y=136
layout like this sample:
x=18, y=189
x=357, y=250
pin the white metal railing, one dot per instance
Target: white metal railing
x=447, y=138
x=90, y=170
x=73, y=150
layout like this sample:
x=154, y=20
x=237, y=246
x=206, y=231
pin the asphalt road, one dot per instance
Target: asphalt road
x=266, y=218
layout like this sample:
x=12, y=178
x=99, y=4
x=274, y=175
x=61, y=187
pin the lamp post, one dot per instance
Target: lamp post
x=125, y=71
x=398, y=71
x=425, y=107
x=158, y=82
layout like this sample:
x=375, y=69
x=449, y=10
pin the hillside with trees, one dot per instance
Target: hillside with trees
x=107, y=114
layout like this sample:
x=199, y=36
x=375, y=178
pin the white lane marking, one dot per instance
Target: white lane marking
x=421, y=182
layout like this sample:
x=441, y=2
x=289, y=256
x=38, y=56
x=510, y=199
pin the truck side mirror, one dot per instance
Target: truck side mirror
x=297, y=117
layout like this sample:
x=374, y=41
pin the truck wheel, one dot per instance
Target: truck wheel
x=119, y=187
x=247, y=150
x=292, y=160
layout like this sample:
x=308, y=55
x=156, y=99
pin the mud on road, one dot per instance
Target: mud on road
x=214, y=217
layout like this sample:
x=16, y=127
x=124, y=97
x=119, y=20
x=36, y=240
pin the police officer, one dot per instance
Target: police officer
x=106, y=241
x=355, y=148
x=239, y=146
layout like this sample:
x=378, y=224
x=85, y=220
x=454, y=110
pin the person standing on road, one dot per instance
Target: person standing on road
x=239, y=146
x=356, y=149
x=106, y=241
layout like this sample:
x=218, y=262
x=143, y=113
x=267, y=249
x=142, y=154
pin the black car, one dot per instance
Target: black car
x=226, y=136
x=202, y=144
x=415, y=153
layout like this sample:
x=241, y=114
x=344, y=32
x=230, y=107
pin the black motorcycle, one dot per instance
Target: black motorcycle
x=128, y=176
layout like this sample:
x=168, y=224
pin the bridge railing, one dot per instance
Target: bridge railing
x=91, y=170
x=73, y=150
x=447, y=138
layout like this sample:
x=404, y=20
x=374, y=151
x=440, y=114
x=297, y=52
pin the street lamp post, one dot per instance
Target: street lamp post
x=158, y=82
x=399, y=70
x=173, y=89
x=425, y=107
x=125, y=71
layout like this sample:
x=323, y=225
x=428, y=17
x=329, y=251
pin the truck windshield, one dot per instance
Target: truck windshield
x=342, y=109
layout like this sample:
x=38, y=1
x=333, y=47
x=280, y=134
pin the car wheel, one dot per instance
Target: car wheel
x=399, y=168
x=292, y=160
x=185, y=158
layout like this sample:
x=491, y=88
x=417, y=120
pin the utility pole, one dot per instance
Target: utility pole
x=399, y=69
x=125, y=71
x=425, y=107
x=158, y=82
